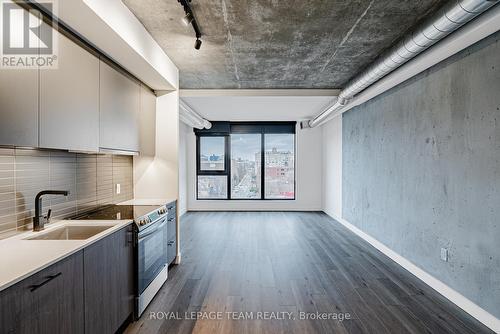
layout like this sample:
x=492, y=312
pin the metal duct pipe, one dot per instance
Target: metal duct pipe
x=447, y=20
x=191, y=117
x=186, y=119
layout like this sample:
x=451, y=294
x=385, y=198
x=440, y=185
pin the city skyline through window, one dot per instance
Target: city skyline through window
x=279, y=166
x=245, y=165
x=212, y=153
x=246, y=161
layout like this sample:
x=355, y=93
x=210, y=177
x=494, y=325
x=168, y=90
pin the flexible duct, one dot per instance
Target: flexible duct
x=191, y=117
x=447, y=20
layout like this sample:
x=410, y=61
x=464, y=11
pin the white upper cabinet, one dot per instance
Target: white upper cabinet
x=69, y=100
x=19, y=107
x=147, y=119
x=119, y=106
x=83, y=104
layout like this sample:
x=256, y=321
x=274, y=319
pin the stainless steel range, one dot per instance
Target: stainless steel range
x=152, y=245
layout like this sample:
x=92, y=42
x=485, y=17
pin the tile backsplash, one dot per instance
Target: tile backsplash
x=90, y=178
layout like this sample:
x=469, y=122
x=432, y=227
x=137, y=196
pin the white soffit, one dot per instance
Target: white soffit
x=257, y=108
x=258, y=92
x=113, y=29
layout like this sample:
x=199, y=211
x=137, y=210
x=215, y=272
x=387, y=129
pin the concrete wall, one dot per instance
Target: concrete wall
x=421, y=171
x=308, y=178
x=332, y=167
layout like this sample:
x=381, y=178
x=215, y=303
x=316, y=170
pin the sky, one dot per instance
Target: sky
x=246, y=145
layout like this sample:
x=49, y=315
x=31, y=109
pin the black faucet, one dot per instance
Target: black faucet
x=39, y=220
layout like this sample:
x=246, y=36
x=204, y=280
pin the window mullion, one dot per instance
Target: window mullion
x=228, y=166
x=262, y=168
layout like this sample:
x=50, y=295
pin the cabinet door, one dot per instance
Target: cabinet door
x=69, y=100
x=172, y=232
x=109, y=285
x=147, y=122
x=19, y=107
x=119, y=106
x=172, y=240
x=50, y=301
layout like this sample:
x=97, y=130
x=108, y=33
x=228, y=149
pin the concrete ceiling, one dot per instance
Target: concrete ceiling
x=274, y=44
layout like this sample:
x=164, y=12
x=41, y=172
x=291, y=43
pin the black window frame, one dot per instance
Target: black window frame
x=225, y=129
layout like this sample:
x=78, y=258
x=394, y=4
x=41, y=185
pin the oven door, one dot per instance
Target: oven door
x=151, y=253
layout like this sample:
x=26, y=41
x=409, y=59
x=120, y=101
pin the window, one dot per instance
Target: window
x=212, y=167
x=212, y=187
x=245, y=166
x=212, y=155
x=279, y=161
x=252, y=161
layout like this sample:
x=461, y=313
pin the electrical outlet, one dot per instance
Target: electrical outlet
x=118, y=189
x=444, y=254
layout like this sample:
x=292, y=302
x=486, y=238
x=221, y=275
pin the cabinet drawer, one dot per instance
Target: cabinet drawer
x=50, y=301
x=171, y=250
x=171, y=228
x=171, y=210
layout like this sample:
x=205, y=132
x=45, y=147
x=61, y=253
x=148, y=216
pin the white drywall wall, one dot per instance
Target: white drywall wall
x=332, y=167
x=184, y=132
x=157, y=177
x=308, y=178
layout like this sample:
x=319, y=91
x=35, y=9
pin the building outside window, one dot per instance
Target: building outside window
x=232, y=159
x=279, y=162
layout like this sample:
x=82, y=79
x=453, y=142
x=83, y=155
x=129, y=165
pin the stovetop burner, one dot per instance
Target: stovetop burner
x=117, y=212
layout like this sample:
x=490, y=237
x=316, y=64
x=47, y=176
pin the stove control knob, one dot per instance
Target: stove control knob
x=142, y=222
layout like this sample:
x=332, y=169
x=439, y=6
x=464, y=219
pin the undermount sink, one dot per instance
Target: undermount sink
x=71, y=232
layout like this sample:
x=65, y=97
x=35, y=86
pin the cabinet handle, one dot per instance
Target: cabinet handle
x=130, y=238
x=49, y=278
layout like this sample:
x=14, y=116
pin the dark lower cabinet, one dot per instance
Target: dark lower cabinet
x=171, y=232
x=91, y=291
x=108, y=280
x=50, y=301
x=172, y=240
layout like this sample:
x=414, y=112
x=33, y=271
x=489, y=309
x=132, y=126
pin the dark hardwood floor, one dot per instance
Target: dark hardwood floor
x=287, y=263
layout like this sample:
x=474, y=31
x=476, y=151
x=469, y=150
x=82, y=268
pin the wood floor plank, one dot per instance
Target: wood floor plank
x=272, y=263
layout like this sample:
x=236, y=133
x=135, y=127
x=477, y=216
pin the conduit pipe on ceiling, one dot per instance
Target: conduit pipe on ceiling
x=447, y=20
x=192, y=118
x=473, y=32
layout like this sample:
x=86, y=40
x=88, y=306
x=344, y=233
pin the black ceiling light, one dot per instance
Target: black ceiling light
x=197, y=44
x=188, y=19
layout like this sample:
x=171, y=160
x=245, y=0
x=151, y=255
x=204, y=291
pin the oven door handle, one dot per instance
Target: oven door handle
x=147, y=233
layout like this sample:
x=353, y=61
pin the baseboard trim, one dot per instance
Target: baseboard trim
x=454, y=296
x=254, y=210
x=182, y=211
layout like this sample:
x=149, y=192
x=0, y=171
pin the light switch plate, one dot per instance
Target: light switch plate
x=444, y=254
x=118, y=188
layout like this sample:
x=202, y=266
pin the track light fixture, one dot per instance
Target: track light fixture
x=197, y=44
x=188, y=19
